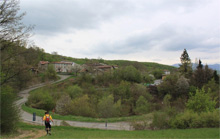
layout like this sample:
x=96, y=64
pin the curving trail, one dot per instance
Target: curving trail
x=27, y=117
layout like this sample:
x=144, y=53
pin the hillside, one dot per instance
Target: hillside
x=142, y=66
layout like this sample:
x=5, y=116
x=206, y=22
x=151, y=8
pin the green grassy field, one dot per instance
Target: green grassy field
x=40, y=112
x=73, y=132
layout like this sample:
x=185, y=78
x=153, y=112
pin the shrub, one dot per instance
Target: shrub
x=160, y=120
x=41, y=100
x=82, y=107
x=51, y=73
x=190, y=119
x=210, y=119
x=74, y=91
x=9, y=111
x=63, y=105
x=107, y=108
x=200, y=102
x=142, y=106
x=183, y=121
x=140, y=125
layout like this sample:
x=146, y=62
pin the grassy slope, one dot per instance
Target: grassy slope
x=69, y=132
x=73, y=132
x=40, y=112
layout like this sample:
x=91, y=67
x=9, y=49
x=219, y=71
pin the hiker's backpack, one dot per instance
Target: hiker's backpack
x=47, y=119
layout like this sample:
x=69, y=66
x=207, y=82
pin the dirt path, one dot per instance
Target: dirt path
x=27, y=117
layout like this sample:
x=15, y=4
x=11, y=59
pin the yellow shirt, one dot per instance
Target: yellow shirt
x=44, y=118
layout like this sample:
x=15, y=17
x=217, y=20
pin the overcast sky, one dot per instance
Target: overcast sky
x=140, y=30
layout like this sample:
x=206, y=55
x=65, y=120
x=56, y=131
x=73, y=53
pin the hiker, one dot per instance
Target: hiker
x=47, y=119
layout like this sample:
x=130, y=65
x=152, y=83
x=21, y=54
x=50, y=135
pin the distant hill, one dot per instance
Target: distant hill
x=211, y=66
x=215, y=66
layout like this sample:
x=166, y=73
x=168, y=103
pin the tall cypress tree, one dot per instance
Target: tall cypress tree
x=186, y=66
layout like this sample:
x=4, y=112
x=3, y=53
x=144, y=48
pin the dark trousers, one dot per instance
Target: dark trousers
x=47, y=125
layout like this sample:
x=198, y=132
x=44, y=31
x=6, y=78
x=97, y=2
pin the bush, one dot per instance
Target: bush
x=9, y=111
x=140, y=125
x=63, y=105
x=142, y=106
x=41, y=100
x=107, y=108
x=82, y=107
x=183, y=121
x=74, y=91
x=190, y=119
x=160, y=120
x=200, y=102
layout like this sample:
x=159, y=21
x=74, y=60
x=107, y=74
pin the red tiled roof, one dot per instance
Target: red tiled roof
x=62, y=62
x=102, y=67
x=44, y=62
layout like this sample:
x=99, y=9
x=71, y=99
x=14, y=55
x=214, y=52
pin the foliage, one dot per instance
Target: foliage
x=129, y=73
x=168, y=86
x=202, y=75
x=74, y=91
x=12, y=29
x=142, y=106
x=9, y=112
x=107, y=108
x=216, y=77
x=182, y=87
x=76, y=69
x=186, y=66
x=147, y=78
x=158, y=74
x=51, y=74
x=40, y=112
x=13, y=36
x=166, y=100
x=201, y=102
x=160, y=120
x=82, y=107
x=41, y=100
x=190, y=119
x=63, y=105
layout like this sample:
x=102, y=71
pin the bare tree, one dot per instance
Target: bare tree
x=76, y=68
x=11, y=27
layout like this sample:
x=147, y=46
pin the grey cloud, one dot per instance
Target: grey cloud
x=166, y=37
x=51, y=16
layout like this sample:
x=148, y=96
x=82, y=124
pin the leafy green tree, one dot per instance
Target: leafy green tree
x=82, y=107
x=13, y=35
x=182, y=87
x=129, y=73
x=107, y=108
x=186, y=66
x=41, y=100
x=168, y=86
x=74, y=91
x=147, y=78
x=201, y=102
x=63, y=105
x=51, y=73
x=216, y=77
x=199, y=75
x=166, y=100
x=213, y=88
x=208, y=74
x=158, y=74
x=142, y=106
x=138, y=90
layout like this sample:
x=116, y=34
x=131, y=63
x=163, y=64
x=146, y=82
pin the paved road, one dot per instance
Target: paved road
x=27, y=117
